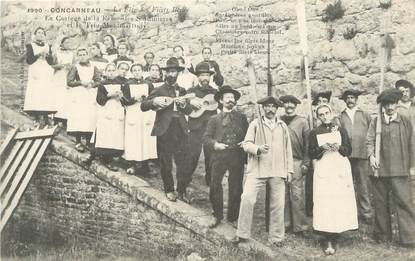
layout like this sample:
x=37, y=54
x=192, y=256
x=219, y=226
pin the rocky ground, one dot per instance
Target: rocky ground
x=352, y=246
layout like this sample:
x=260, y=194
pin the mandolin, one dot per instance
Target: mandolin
x=170, y=100
x=209, y=104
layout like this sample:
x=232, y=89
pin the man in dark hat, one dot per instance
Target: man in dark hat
x=295, y=212
x=197, y=126
x=268, y=145
x=393, y=170
x=406, y=107
x=356, y=122
x=170, y=126
x=224, y=134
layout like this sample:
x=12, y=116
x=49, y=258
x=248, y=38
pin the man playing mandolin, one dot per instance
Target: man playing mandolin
x=170, y=127
x=204, y=106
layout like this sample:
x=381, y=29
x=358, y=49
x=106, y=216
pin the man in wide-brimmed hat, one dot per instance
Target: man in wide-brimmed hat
x=170, y=126
x=356, y=122
x=394, y=168
x=197, y=125
x=295, y=213
x=270, y=161
x=217, y=79
x=224, y=134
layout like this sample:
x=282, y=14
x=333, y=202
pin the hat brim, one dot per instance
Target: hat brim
x=178, y=68
x=219, y=94
x=200, y=72
x=406, y=84
x=347, y=93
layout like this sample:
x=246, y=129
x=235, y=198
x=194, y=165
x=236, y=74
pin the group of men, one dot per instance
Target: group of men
x=276, y=150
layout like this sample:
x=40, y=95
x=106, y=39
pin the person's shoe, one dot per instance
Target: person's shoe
x=88, y=160
x=79, y=147
x=276, y=244
x=184, y=197
x=171, y=196
x=131, y=171
x=329, y=249
x=214, y=222
x=236, y=240
x=111, y=167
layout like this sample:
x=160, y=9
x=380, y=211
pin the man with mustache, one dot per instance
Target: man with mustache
x=170, y=127
x=394, y=169
x=299, y=130
x=197, y=127
x=270, y=161
x=356, y=122
x=217, y=79
x=406, y=107
x=224, y=134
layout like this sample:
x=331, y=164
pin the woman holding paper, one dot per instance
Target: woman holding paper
x=140, y=146
x=333, y=193
x=39, y=79
x=109, y=135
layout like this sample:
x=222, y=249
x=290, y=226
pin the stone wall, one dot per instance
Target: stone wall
x=66, y=202
x=338, y=59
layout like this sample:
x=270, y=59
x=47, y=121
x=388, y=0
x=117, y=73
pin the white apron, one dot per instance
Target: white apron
x=82, y=107
x=110, y=123
x=334, y=200
x=60, y=84
x=39, y=84
x=139, y=144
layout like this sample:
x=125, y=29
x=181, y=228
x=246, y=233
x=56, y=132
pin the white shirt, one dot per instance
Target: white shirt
x=351, y=113
x=388, y=118
x=269, y=123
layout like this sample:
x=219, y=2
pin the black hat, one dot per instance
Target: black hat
x=325, y=94
x=173, y=63
x=203, y=67
x=406, y=84
x=389, y=96
x=270, y=100
x=353, y=92
x=227, y=89
x=290, y=98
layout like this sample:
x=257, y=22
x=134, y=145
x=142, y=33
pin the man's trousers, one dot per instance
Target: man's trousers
x=277, y=201
x=233, y=161
x=401, y=199
x=360, y=172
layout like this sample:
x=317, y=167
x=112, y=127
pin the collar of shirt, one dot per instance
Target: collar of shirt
x=351, y=113
x=389, y=119
x=270, y=123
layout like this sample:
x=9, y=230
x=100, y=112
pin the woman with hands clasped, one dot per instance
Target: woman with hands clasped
x=333, y=192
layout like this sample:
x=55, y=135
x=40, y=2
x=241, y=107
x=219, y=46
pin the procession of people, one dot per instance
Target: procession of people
x=121, y=110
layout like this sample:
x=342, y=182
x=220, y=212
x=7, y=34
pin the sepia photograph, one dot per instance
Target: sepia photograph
x=207, y=130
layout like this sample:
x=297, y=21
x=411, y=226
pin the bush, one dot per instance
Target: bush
x=333, y=12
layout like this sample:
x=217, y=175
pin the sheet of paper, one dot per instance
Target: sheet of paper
x=332, y=137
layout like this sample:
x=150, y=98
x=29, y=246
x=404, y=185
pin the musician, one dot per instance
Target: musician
x=270, y=160
x=299, y=130
x=217, y=80
x=224, y=134
x=39, y=79
x=406, y=107
x=149, y=58
x=356, y=122
x=198, y=125
x=122, y=54
x=395, y=167
x=83, y=79
x=186, y=79
x=139, y=145
x=109, y=135
x=170, y=127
